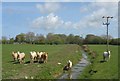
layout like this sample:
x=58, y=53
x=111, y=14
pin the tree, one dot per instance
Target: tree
x=63, y=38
x=39, y=39
x=104, y=37
x=11, y=41
x=89, y=38
x=115, y=41
x=50, y=38
x=77, y=40
x=57, y=39
x=4, y=40
x=70, y=39
x=92, y=39
x=30, y=37
x=20, y=38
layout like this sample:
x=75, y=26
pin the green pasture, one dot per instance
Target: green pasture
x=105, y=70
x=49, y=70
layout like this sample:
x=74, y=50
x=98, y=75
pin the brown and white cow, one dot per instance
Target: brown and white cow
x=39, y=54
x=44, y=57
x=21, y=57
x=15, y=56
x=33, y=56
x=68, y=66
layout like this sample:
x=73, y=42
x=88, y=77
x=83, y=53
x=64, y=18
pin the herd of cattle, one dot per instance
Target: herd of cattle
x=43, y=57
x=37, y=56
x=34, y=56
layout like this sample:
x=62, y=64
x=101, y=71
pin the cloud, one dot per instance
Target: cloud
x=95, y=12
x=52, y=22
x=48, y=7
x=92, y=19
x=49, y=22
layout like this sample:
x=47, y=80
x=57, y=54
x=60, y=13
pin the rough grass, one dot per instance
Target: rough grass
x=0, y=62
x=49, y=70
x=105, y=70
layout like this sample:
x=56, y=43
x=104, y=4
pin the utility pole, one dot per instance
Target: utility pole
x=107, y=23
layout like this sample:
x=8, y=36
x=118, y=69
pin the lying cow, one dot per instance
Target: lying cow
x=106, y=56
x=21, y=57
x=33, y=56
x=15, y=56
x=68, y=66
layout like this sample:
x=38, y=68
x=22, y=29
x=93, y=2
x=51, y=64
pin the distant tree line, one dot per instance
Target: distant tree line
x=50, y=38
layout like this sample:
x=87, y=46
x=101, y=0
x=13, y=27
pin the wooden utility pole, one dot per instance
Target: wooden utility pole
x=107, y=23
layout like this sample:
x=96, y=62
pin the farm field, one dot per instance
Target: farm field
x=49, y=70
x=0, y=61
x=105, y=70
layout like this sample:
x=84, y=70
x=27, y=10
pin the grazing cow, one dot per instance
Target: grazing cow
x=33, y=56
x=15, y=56
x=39, y=54
x=44, y=57
x=68, y=66
x=21, y=57
x=106, y=56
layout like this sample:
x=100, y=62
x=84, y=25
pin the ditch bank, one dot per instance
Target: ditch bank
x=76, y=70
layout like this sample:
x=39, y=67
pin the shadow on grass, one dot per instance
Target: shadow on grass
x=102, y=61
x=27, y=62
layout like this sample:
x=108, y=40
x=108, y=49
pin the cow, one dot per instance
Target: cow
x=106, y=55
x=39, y=54
x=68, y=66
x=44, y=57
x=33, y=56
x=15, y=56
x=21, y=57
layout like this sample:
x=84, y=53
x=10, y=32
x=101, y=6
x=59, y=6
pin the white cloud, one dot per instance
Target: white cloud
x=96, y=11
x=48, y=7
x=49, y=22
x=52, y=22
x=93, y=19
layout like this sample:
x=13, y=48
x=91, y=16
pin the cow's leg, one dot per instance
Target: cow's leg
x=103, y=58
x=31, y=61
x=20, y=61
x=23, y=60
x=39, y=60
x=14, y=59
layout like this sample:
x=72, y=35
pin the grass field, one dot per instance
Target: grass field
x=105, y=70
x=49, y=70
x=0, y=61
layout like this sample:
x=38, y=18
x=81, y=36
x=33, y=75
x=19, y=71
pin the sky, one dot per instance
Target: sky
x=78, y=18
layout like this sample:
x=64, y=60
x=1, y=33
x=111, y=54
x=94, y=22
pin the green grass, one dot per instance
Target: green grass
x=0, y=61
x=106, y=70
x=49, y=70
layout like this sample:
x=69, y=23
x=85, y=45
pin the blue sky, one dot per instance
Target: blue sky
x=78, y=18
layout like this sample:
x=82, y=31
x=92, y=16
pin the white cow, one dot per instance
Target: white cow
x=106, y=55
x=21, y=57
x=33, y=56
